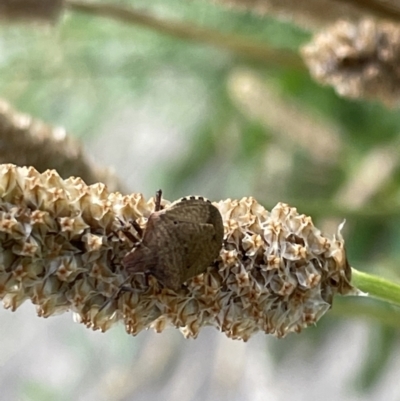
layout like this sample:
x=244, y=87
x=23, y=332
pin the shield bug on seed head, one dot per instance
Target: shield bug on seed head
x=178, y=242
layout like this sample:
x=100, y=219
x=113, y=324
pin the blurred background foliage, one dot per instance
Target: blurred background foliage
x=191, y=118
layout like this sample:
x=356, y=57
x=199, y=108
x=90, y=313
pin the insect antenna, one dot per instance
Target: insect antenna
x=157, y=200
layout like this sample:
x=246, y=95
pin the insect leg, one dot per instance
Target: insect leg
x=138, y=229
x=125, y=230
x=114, y=296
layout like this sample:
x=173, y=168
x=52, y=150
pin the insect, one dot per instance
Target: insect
x=178, y=242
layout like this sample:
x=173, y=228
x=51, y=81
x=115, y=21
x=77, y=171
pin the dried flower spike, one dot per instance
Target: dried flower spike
x=360, y=60
x=275, y=272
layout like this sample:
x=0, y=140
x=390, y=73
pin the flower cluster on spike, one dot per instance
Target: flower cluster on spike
x=62, y=247
x=359, y=59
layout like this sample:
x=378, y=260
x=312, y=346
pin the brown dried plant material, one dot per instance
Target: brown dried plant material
x=360, y=60
x=42, y=10
x=61, y=248
x=26, y=141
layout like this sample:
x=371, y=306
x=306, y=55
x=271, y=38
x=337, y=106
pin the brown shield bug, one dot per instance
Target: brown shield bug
x=178, y=242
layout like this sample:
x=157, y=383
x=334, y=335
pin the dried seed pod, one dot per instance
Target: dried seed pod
x=179, y=242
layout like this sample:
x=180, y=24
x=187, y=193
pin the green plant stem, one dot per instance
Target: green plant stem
x=237, y=44
x=376, y=287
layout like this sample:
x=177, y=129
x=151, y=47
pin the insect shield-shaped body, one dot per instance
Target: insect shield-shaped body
x=178, y=242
